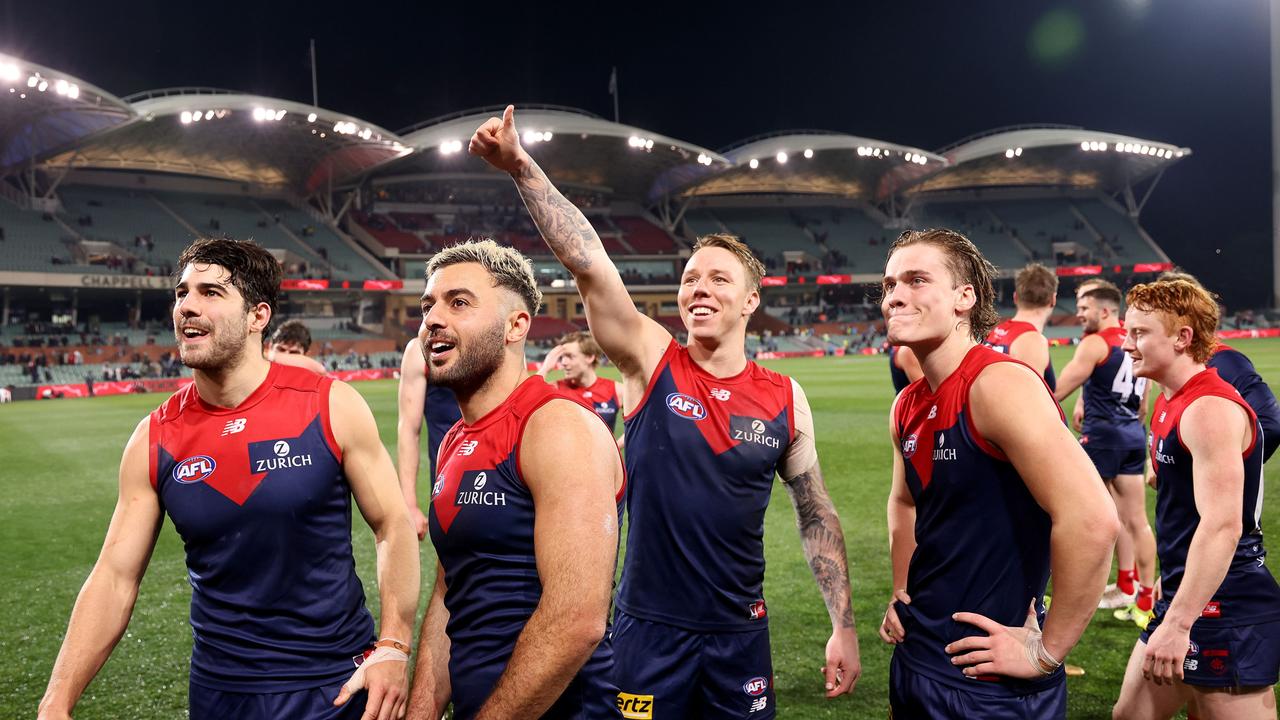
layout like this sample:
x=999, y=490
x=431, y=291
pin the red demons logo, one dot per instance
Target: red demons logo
x=685, y=406
x=755, y=686
x=757, y=610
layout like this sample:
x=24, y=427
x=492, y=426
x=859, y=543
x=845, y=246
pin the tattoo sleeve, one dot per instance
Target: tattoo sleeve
x=823, y=541
x=561, y=223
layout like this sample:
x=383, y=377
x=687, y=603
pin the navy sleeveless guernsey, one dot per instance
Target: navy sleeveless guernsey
x=701, y=456
x=258, y=495
x=1248, y=594
x=1001, y=339
x=441, y=413
x=897, y=374
x=1235, y=368
x=482, y=522
x=1112, y=396
x=601, y=396
x=982, y=541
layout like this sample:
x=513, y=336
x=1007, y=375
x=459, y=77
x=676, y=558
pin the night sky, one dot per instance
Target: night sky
x=1194, y=73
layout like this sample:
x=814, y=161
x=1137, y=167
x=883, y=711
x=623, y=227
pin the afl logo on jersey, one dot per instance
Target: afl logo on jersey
x=438, y=485
x=685, y=406
x=194, y=469
x=909, y=446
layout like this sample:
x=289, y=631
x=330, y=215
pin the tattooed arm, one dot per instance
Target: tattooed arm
x=633, y=341
x=823, y=541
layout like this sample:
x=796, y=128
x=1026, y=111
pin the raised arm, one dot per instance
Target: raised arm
x=105, y=603
x=1216, y=432
x=412, y=399
x=633, y=341
x=551, y=361
x=373, y=484
x=575, y=543
x=431, y=688
x=1083, y=516
x=1091, y=351
x=823, y=541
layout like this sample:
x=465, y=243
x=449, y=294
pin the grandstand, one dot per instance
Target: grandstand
x=99, y=194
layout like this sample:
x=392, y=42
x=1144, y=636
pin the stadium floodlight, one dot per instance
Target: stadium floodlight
x=648, y=144
x=1086, y=146
x=10, y=72
x=531, y=137
x=44, y=85
x=1017, y=151
x=1009, y=153
x=257, y=114
x=808, y=153
x=877, y=152
x=754, y=163
x=31, y=81
x=781, y=157
x=1102, y=146
x=546, y=136
x=195, y=116
x=634, y=141
x=279, y=114
x=311, y=118
x=185, y=117
x=60, y=87
x=208, y=114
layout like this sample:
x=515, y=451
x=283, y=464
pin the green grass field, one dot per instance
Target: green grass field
x=58, y=470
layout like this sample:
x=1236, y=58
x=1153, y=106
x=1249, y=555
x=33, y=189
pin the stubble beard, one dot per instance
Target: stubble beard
x=472, y=368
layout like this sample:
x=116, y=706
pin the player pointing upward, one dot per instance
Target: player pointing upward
x=706, y=431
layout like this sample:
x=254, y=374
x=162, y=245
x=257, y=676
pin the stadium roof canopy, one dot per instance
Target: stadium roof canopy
x=819, y=162
x=243, y=138
x=572, y=146
x=45, y=111
x=1059, y=155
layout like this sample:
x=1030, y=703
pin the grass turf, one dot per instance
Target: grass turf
x=58, y=470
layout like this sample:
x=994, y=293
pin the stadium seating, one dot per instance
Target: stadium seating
x=33, y=243
x=121, y=216
x=974, y=220
x=644, y=237
x=1119, y=232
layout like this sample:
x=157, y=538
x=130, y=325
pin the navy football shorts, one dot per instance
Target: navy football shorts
x=1244, y=656
x=312, y=704
x=914, y=695
x=1111, y=463
x=668, y=672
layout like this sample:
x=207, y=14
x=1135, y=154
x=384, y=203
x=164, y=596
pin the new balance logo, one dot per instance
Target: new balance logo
x=234, y=426
x=468, y=447
x=720, y=394
x=933, y=412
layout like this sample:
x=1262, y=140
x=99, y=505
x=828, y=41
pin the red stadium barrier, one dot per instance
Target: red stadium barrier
x=370, y=374
x=303, y=284
x=1255, y=333
x=766, y=355
x=835, y=280
x=1079, y=270
x=383, y=285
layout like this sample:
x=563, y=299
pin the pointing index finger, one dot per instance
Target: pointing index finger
x=981, y=622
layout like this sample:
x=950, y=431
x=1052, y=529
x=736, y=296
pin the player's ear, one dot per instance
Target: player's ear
x=1183, y=339
x=753, y=302
x=259, y=317
x=966, y=298
x=518, y=323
